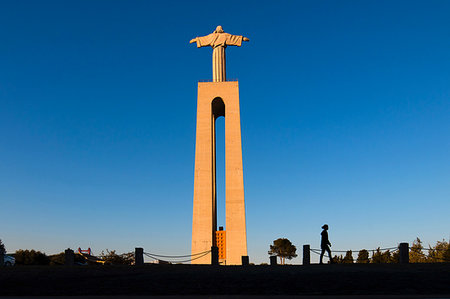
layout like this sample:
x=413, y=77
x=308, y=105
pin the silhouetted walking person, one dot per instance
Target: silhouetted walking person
x=325, y=244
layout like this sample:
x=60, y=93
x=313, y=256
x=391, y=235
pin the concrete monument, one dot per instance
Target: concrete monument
x=215, y=99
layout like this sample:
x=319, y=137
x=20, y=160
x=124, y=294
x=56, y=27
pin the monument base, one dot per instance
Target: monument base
x=217, y=99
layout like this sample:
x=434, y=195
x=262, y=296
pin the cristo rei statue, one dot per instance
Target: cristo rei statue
x=219, y=40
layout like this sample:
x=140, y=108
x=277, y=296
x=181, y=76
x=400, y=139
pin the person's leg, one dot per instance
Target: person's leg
x=329, y=254
x=321, y=256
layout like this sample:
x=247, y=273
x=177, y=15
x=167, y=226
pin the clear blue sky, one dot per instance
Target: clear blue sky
x=345, y=114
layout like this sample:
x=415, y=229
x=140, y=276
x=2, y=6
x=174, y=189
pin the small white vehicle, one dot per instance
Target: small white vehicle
x=9, y=260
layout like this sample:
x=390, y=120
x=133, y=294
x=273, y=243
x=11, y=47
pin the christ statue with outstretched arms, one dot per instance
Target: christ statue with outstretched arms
x=219, y=40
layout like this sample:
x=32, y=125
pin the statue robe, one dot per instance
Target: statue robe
x=219, y=41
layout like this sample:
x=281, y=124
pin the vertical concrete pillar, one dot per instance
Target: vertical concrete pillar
x=215, y=255
x=234, y=178
x=245, y=260
x=69, y=257
x=273, y=260
x=403, y=253
x=306, y=255
x=204, y=209
x=138, y=256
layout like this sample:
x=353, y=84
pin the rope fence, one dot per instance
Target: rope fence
x=431, y=249
x=353, y=251
x=176, y=258
x=398, y=254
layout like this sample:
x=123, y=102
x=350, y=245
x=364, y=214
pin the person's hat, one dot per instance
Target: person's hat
x=325, y=226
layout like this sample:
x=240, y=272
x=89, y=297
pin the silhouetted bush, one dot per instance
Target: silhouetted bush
x=31, y=257
x=60, y=259
x=348, y=258
x=111, y=257
x=416, y=254
x=57, y=259
x=395, y=257
x=363, y=257
x=439, y=253
x=338, y=259
x=380, y=257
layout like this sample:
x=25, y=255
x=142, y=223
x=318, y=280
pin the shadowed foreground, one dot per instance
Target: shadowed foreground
x=357, y=279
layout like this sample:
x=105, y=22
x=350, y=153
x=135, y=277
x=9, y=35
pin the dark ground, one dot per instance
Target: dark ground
x=343, y=279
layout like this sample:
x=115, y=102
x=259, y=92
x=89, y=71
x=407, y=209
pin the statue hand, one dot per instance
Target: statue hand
x=245, y=39
x=193, y=40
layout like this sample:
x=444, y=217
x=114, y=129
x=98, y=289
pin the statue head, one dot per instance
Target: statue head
x=218, y=29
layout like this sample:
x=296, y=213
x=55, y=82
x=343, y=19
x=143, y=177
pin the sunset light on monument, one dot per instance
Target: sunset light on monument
x=128, y=130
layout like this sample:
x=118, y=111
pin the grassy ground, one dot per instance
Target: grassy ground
x=343, y=279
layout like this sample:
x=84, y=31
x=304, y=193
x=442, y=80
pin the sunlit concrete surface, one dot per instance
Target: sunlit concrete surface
x=216, y=99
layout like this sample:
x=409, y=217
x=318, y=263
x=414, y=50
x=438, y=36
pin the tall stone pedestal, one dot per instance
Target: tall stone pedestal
x=217, y=99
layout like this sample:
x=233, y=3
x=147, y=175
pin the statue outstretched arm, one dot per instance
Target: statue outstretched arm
x=203, y=41
x=235, y=40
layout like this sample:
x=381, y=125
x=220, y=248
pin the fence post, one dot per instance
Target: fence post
x=404, y=253
x=69, y=258
x=214, y=255
x=273, y=260
x=306, y=255
x=2, y=259
x=245, y=260
x=138, y=256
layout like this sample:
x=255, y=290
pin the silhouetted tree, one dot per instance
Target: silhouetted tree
x=31, y=257
x=348, y=259
x=111, y=257
x=363, y=257
x=416, y=254
x=2, y=247
x=283, y=248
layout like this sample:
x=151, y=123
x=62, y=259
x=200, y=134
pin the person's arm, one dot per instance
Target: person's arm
x=328, y=240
